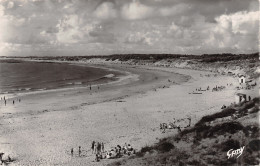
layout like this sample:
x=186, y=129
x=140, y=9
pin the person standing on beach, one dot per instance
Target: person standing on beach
x=13, y=101
x=95, y=148
x=79, y=151
x=102, y=147
x=179, y=128
x=5, y=102
x=99, y=147
x=92, y=146
x=1, y=158
x=71, y=151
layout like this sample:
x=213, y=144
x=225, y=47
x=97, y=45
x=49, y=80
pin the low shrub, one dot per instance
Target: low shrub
x=229, y=127
x=230, y=144
x=224, y=113
x=164, y=147
x=254, y=145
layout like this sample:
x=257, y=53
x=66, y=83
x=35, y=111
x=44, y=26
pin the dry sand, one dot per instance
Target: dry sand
x=43, y=127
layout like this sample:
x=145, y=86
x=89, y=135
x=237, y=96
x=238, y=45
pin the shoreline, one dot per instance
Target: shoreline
x=134, y=78
x=110, y=80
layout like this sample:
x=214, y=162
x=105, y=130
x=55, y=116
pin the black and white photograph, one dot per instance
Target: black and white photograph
x=129, y=83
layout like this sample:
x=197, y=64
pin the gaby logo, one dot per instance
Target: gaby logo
x=237, y=152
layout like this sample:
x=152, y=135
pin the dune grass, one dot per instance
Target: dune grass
x=223, y=135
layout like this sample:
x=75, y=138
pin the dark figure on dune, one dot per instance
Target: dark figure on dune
x=5, y=102
x=13, y=101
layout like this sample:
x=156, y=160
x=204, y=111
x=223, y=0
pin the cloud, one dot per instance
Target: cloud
x=105, y=11
x=136, y=38
x=10, y=5
x=101, y=34
x=68, y=29
x=240, y=22
x=173, y=10
x=135, y=10
x=144, y=26
x=236, y=32
x=145, y=38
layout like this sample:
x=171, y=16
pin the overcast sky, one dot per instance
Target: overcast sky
x=88, y=27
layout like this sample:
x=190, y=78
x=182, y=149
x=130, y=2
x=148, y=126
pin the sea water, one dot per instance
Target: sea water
x=26, y=76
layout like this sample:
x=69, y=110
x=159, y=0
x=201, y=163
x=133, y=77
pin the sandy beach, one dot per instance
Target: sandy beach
x=43, y=127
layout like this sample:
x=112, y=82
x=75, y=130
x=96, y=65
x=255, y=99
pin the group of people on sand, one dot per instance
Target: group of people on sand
x=115, y=152
x=97, y=147
x=247, y=86
x=199, y=89
x=79, y=151
x=209, y=75
x=2, y=161
x=5, y=100
x=218, y=88
x=164, y=126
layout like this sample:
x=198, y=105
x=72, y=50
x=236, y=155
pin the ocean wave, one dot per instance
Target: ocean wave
x=109, y=76
x=42, y=89
x=77, y=83
x=74, y=83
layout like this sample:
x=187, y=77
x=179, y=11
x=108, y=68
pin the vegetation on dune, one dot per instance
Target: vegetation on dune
x=162, y=147
x=209, y=62
x=209, y=142
x=224, y=113
x=157, y=57
x=228, y=57
x=241, y=107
